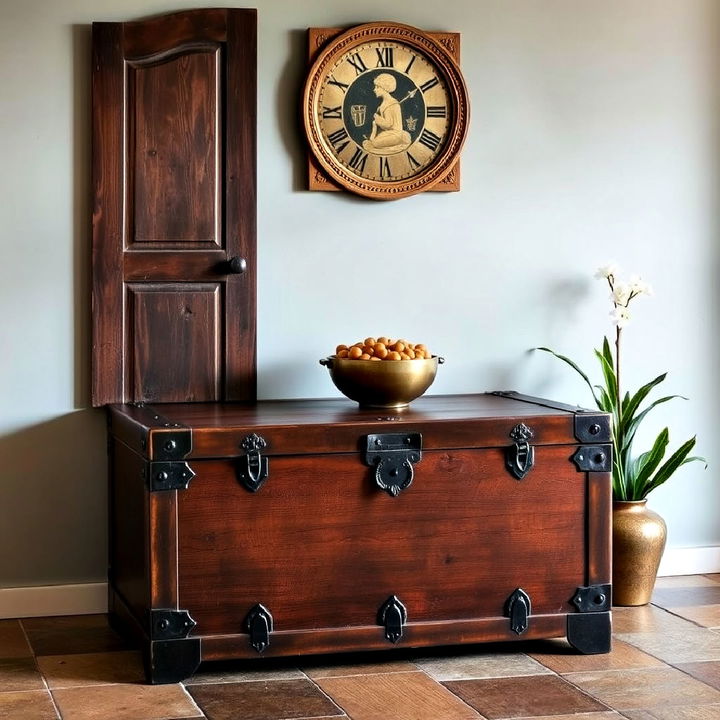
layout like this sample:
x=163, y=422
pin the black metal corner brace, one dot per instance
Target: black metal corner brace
x=593, y=458
x=170, y=624
x=592, y=427
x=590, y=633
x=259, y=624
x=518, y=608
x=593, y=598
x=393, y=615
x=167, y=470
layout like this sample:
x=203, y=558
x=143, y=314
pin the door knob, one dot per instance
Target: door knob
x=237, y=265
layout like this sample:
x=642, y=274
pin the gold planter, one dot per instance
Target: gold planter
x=639, y=536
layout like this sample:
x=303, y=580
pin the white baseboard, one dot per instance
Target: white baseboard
x=44, y=601
x=91, y=598
x=690, y=561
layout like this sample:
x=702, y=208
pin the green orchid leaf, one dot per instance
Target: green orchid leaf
x=609, y=375
x=676, y=460
x=575, y=367
x=639, y=396
x=607, y=353
x=629, y=429
x=646, y=464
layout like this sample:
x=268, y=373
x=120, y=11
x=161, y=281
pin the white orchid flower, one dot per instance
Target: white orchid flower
x=638, y=286
x=607, y=271
x=620, y=316
x=621, y=294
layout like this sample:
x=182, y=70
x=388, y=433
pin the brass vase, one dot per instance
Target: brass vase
x=639, y=536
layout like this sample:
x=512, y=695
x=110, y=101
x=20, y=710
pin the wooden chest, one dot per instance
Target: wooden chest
x=297, y=527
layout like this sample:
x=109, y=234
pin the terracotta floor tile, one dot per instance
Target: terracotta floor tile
x=233, y=672
x=707, y=672
x=395, y=696
x=676, y=581
x=560, y=657
x=694, y=712
x=72, y=634
x=646, y=688
x=13, y=642
x=705, y=615
x=363, y=668
x=521, y=697
x=646, y=618
x=125, y=702
x=264, y=700
x=609, y=715
x=33, y=705
x=686, y=596
x=469, y=667
x=18, y=674
x=690, y=644
x=63, y=671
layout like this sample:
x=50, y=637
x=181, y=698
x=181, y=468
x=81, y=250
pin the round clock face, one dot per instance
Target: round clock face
x=385, y=110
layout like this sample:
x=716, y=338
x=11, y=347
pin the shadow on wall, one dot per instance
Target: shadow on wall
x=53, y=502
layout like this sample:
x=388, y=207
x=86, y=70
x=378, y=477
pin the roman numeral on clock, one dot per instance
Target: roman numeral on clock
x=437, y=111
x=337, y=83
x=338, y=137
x=429, y=139
x=357, y=62
x=413, y=162
x=384, y=57
x=384, y=167
x=358, y=160
x=333, y=112
x=429, y=84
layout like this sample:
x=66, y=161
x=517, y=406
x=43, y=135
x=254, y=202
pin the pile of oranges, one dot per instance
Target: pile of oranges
x=383, y=348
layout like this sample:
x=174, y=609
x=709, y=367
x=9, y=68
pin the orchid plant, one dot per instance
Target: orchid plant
x=633, y=477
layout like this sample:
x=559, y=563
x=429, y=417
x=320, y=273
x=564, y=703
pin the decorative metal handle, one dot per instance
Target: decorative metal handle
x=326, y=362
x=237, y=265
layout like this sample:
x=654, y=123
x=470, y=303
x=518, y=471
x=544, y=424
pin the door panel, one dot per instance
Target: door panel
x=174, y=144
x=175, y=150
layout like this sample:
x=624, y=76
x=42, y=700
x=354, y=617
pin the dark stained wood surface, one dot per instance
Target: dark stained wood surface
x=371, y=637
x=338, y=425
x=174, y=128
x=321, y=546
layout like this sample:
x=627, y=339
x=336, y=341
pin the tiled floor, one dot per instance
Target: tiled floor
x=665, y=665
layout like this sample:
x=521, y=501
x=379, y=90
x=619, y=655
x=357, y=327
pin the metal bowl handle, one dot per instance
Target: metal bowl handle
x=441, y=360
x=327, y=362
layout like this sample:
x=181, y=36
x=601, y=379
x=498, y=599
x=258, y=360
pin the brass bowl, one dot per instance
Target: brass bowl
x=384, y=384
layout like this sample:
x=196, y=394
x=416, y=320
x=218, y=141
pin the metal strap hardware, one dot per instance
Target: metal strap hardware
x=170, y=624
x=593, y=458
x=593, y=598
x=520, y=457
x=253, y=468
x=393, y=455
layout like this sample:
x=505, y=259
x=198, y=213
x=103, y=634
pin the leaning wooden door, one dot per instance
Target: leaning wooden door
x=174, y=216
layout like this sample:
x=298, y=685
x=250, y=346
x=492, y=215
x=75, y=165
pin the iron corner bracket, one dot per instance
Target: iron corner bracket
x=593, y=598
x=166, y=624
x=168, y=470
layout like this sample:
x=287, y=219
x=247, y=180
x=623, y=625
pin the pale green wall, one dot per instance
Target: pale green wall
x=592, y=138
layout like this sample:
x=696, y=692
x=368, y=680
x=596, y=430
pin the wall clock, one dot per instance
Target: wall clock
x=385, y=110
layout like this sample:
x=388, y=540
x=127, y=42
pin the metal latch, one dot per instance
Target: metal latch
x=520, y=457
x=393, y=615
x=393, y=455
x=253, y=467
x=259, y=623
x=518, y=609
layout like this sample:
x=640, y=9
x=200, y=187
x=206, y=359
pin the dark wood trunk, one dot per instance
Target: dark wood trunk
x=322, y=547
